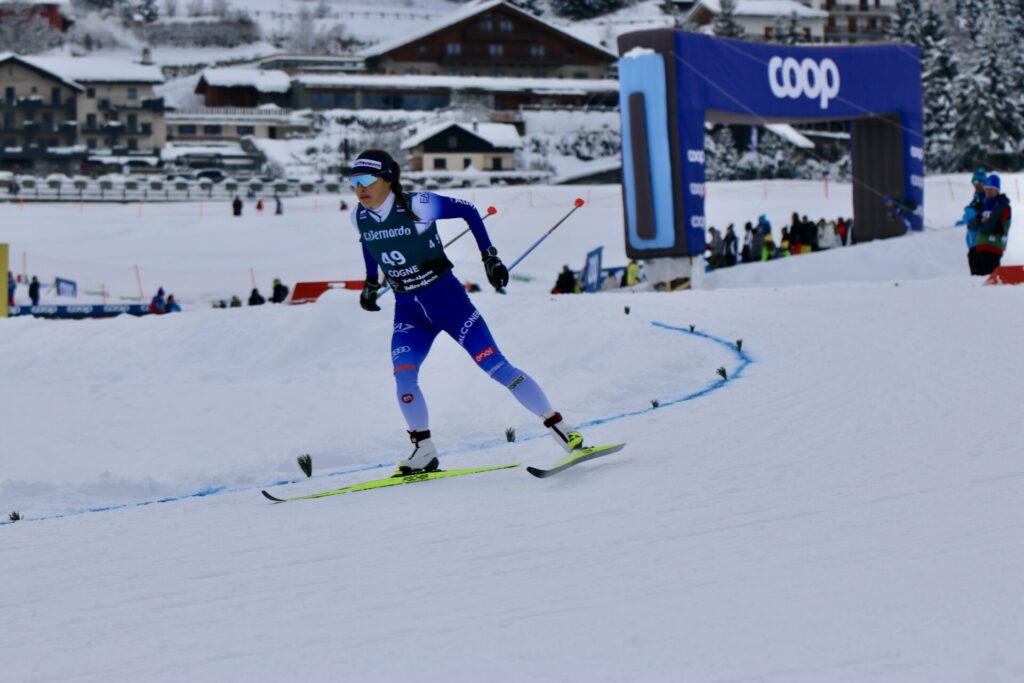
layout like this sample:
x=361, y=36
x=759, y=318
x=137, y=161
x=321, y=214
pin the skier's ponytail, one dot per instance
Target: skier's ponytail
x=401, y=198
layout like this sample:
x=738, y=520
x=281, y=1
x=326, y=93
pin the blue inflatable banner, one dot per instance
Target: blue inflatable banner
x=673, y=82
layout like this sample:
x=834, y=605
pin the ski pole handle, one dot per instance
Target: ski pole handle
x=490, y=212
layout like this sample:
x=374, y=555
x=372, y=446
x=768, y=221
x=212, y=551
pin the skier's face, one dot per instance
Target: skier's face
x=373, y=195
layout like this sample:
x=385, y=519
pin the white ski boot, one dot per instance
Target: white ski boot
x=563, y=432
x=423, y=457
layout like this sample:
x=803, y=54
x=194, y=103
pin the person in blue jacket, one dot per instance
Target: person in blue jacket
x=972, y=212
x=399, y=236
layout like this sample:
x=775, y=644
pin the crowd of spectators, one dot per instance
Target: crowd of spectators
x=801, y=236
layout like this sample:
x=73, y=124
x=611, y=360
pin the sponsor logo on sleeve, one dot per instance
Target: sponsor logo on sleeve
x=484, y=355
x=408, y=398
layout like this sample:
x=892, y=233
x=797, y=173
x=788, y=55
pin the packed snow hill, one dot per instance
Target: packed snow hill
x=821, y=481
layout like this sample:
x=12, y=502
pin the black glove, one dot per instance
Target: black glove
x=497, y=273
x=368, y=297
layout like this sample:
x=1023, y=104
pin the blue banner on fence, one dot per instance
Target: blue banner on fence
x=80, y=310
x=66, y=287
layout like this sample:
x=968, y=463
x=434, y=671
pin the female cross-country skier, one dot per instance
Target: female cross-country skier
x=398, y=234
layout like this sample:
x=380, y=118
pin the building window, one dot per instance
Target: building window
x=486, y=24
x=246, y=130
x=47, y=121
x=133, y=93
x=768, y=31
x=133, y=123
x=496, y=49
x=90, y=121
x=505, y=25
x=851, y=25
x=8, y=120
x=497, y=164
x=9, y=95
x=133, y=143
x=440, y=163
x=412, y=71
x=186, y=130
x=453, y=48
x=211, y=130
x=91, y=143
x=453, y=141
x=147, y=129
x=421, y=49
x=536, y=50
x=582, y=75
x=466, y=162
x=90, y=93
x=55, y=97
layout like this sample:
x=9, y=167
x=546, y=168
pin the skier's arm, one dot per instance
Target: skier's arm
x=371, y=263
x=429, y=206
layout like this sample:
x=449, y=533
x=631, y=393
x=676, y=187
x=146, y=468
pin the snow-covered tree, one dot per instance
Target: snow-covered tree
x=585, y=9
x=23, y=31
x=905, y=26
x=939, y=70
x=721, y=157
x=786, y=30
x=990, y=126
x=148, y=11
x=724, y=24
x=170, y=8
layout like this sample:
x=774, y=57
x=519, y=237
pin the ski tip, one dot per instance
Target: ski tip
x=270, y=497
x=540, y=474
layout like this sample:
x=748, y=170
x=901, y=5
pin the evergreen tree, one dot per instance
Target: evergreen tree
x=786, y=30
x=939, y=70
x=969, y=14
x=148, y=11
x=721, y=158
x=724, y=24
x=585, y=9
x=905, y=26
x=990, y=127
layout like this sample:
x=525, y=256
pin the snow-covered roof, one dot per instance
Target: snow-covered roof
x=99, y=69
x=790, y=135
x=488, y=83
x=761, y=8
x=502, y=135
x=172, y=151
x=467, y=11
x=4, y=56
x=263, y=81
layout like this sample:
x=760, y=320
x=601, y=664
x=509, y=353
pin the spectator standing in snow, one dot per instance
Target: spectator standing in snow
x=972, y=211
x=841, y=230
x=172, y=305
x=768, y=250
x=278, y=205
x=716, y=248
x=784, y=243
x=11, y=286
x=280, y=292
x=158, y=306
x=757, y=243
x=993, y=229
x=792, y=237
x=33, y=291
x=764, y=226
x=748, y=243
x=730, y=244
x=566, y=282
x=256, y=299
x=236, y=205
x=632, y=273
x=259, y=205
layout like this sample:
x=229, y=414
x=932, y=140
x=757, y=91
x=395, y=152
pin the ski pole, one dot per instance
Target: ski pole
x=576, y=205
x=490, y=212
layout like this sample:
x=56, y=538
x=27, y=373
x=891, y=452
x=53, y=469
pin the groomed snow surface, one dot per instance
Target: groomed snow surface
x=847, y=506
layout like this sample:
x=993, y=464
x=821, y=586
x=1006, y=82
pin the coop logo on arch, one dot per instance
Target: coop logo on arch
x=805, y=78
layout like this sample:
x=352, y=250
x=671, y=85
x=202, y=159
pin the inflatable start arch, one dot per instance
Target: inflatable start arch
x=672, y=82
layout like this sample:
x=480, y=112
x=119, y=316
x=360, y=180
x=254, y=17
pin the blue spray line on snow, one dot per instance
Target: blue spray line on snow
x=744, y=358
